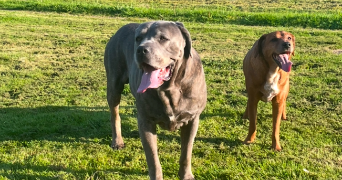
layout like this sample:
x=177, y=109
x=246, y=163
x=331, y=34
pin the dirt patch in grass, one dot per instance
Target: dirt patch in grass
x=338, y=51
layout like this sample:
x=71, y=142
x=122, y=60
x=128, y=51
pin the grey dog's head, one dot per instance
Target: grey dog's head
x=158, y=46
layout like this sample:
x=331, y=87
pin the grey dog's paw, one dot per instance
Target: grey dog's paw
x=188, y=178
x=117, y=146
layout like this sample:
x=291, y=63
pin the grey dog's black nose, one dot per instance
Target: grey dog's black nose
x=142, y=50
x=287, y=45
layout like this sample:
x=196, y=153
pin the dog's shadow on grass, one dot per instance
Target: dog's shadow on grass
x=63, y=124
x=76, y=124
x=64, y=172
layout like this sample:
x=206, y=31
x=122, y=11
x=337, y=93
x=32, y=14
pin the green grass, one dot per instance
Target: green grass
x=55, y=120
x=326, y=15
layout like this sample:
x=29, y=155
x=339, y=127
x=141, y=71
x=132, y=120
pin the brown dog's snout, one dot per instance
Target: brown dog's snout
x=142, y=50
x=287, y=45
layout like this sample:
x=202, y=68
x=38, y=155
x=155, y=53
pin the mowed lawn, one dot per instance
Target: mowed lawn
x=54, y=119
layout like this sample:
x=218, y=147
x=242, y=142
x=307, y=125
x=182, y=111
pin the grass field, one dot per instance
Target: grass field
x=54, y=115
x=325, y=14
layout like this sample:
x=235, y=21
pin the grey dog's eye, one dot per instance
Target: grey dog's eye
x=138, y=39
x=163, y=38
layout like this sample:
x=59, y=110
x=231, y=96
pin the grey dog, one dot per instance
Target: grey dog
x=166, y=77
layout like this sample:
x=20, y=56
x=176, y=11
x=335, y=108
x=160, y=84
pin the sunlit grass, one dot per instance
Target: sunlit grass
x=313, y=13
x=55, y=121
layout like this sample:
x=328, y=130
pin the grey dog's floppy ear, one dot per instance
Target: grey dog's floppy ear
x=259, y=45
x=186, y=35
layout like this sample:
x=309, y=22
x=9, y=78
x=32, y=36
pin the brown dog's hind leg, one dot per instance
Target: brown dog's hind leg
x=114, y=90
x=283, y=116
x=286, y=93
x=252, y=105
x=188, y=133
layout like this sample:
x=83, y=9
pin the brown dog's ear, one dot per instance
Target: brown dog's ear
x=259, y=45
x=186, y=35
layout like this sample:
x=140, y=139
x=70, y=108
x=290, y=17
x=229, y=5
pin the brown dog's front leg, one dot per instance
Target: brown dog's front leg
x=188, y=133
x=149, y=141
x=252, y=105
x=277, y=112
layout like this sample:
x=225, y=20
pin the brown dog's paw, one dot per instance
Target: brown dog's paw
x=248, y=141
x=117, y=146
x=250, y=138
x=283, y=118
x=276, y=148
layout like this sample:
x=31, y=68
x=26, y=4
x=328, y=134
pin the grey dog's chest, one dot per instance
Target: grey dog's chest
x=176, y=121
x=151, y=109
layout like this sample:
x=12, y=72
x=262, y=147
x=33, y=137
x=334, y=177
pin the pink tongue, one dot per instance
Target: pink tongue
x=150, y=80
x=286, y=64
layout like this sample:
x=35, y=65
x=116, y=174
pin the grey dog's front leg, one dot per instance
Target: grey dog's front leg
x=188, y=133
x=149, y=141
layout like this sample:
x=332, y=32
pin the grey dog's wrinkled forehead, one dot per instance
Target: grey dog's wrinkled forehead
x=157, y=28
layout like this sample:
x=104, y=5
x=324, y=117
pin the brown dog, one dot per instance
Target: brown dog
x=266, y=68
x=166, y=77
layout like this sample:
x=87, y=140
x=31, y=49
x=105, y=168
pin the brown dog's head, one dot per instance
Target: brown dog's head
x=278, y=46
x=158, y=46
